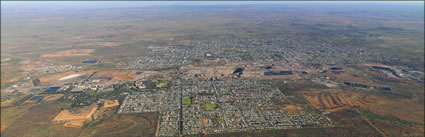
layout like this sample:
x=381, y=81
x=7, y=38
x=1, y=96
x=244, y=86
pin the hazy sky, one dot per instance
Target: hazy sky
x=113, y=4
x=121, y=3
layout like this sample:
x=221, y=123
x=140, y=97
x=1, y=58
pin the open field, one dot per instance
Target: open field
x=10, y=74
x=143, y=124
x=291, y=109
x=53, y=97
x=63, y=76
x=335, y=100
x=116, y=74
x=106, y=44
x=36, y=122
x=10, y=114
x=69, y=53
x=407, y=109
x=123, y=77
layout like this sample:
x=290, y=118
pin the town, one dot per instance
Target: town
x=219, y=87
x=195, y=107
x=244, y=50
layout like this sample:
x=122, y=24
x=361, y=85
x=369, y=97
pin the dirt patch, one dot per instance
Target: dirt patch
x=52, y=97
x=350, y=75
x=75, y=123
x=157, y=47
x=11, y=80
x=70, y=76
x=110, y=44
x=123, y=77
x=84, y=114
x=69, y=53
x=335, y=101
x=111, y=103
x=405, y=109
x=57, y=77
x=3, y=127
x=291, y=109
x=111, y=73
x=106, y=44
x=206, y=122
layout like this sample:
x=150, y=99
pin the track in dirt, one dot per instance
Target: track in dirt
x=335, y=100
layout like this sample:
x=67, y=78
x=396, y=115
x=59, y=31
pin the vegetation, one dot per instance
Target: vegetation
x=43, y=132
x=10, y=114
x=162, y=85
x=309, y=56
x=373, y=116
x=123, y=125
x=187, y=100
x=209, y=106
x=220, y=121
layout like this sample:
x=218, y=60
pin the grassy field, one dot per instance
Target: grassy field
x=10, y=73
x=143, y=124
x=10, y=114
x=162, y=85
x=186, y=101
x=37, y=122
x=209, y=106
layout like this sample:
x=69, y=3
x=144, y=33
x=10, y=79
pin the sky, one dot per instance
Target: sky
x=113, y=4
x=90, y=3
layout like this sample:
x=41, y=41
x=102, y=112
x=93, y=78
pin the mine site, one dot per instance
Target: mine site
x=212, y=70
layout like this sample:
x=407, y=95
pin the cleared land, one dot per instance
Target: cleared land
x=53, y=97
x=10, y=114
x=84, y=114
x=335, y=101
x=62, y=76
x=142, y=124
x=69, y=53
x=36, y=122
x=124, y=77
x=111, y=103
